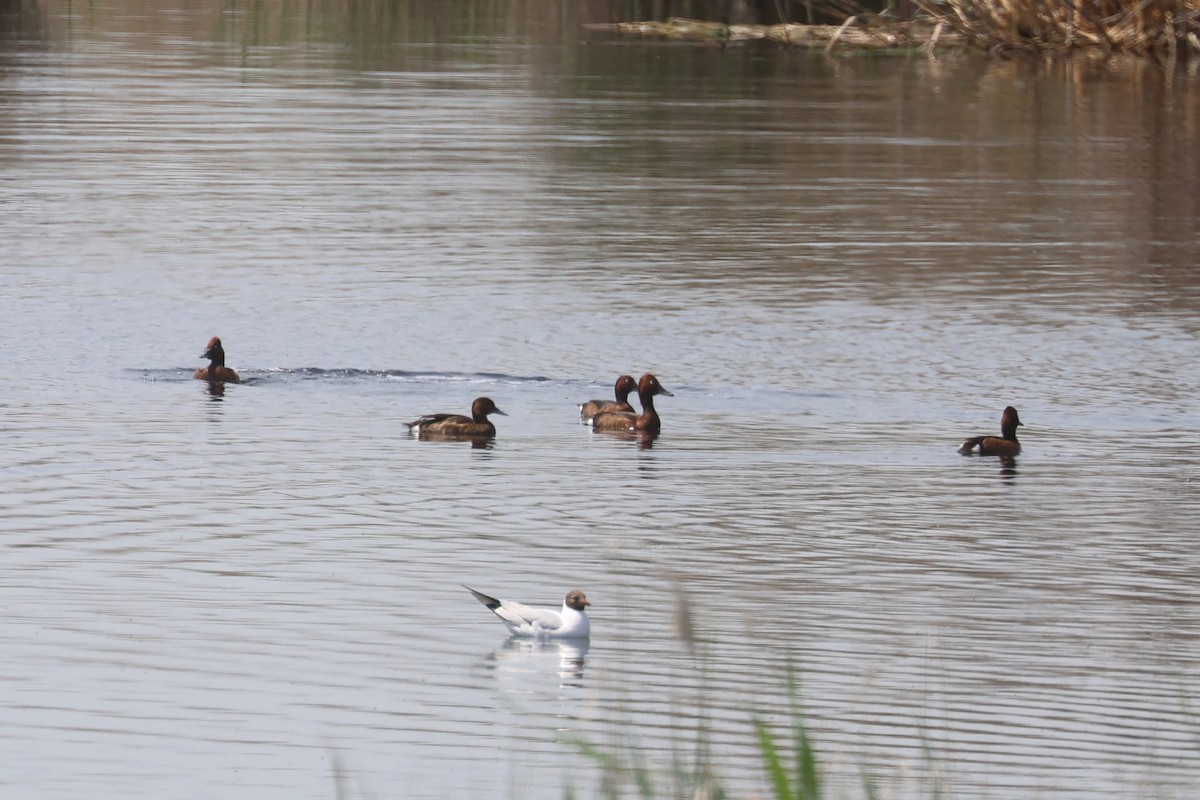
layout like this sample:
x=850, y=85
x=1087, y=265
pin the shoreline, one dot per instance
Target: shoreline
x=927, y=33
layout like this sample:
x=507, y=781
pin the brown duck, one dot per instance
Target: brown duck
x=1005, y=444
x=216, y=370
x=621, y=390
x=456, y=425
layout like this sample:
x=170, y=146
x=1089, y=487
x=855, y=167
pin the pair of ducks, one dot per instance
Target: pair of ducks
x=618, y=414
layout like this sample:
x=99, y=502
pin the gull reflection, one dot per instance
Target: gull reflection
x=522, y=664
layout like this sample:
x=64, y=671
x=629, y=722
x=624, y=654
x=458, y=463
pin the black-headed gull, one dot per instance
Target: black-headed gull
x=542, y=623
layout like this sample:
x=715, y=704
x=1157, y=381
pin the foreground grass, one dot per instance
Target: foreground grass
x=791, y=765
x=792, y=768
x=802, y=782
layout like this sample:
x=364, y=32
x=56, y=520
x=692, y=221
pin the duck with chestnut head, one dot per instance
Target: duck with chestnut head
x=1005, y=444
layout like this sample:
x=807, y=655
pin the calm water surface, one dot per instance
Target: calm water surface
x=841, y=266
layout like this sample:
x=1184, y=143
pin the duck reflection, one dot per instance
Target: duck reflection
x=216, y=391
x=1008, y=468
x=477, y=442
x=643, y=439
x=520, y=664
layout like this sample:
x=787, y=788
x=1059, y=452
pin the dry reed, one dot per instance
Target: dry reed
x=1167, y=28
x=1133, y=26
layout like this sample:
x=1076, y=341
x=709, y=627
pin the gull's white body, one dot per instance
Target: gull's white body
x=570, y=622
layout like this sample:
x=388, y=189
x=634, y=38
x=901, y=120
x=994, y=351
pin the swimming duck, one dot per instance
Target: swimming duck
x=216, y=370
x=1005, y=444
x=621, y=389
x=451, y=426
x=646, y=422
x=542, y=623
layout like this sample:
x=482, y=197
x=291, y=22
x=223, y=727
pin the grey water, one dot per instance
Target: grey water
x=840, y=264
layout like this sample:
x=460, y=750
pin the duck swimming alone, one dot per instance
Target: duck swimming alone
x=621, y=390
x=542, y=623
x=216, y=371
x=457, y=426
x=1005, y=444
x=646, y=422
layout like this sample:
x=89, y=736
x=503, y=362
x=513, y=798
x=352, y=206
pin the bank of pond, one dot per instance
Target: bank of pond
x=1167, y=29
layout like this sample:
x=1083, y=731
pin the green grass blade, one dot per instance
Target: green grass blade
x=808, y=781
x=806, y=762
x=780, y=784
x=870, y=787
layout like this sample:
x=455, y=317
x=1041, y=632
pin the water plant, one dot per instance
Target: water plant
x=803, y=782
x=790, y=776
x=790, y=761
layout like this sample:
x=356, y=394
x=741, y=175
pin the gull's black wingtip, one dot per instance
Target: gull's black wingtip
x=490, y=602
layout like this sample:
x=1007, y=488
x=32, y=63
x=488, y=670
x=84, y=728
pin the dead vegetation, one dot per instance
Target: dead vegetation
x=1167, y=28
x=1145, y=26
